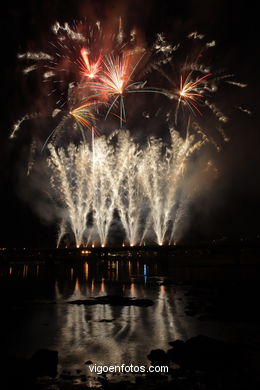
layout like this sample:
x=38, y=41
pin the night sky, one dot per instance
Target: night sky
x=231, y=207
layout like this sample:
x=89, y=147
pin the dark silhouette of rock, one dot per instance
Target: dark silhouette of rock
x=157, y=357
x=206, y=363
x=176, y=353
x=113, y=300
x=107, y=320
x=176, y=343
x=202, y=352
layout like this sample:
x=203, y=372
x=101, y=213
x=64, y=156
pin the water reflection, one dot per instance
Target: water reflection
x=102, y=333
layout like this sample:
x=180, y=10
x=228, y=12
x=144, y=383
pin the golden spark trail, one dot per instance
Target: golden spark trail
x=84, y=115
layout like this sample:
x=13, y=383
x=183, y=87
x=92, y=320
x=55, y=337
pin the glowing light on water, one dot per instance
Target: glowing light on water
x=86, y=271
x=132, y=289
x=145, y=273
x=102, y=287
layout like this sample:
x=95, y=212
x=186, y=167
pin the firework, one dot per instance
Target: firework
x=191, y=92
x=87, y=68
x=145, y=187
x=116, y=79
x=85, y=115
x=85, y=62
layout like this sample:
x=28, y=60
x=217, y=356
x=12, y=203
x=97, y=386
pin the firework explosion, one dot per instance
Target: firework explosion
x=109, y=181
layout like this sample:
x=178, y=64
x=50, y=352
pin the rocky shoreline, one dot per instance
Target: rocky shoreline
x=199, y=363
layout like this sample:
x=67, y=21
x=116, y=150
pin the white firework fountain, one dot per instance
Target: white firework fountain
x=117, y=179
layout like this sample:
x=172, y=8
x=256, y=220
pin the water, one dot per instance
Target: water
x=83, y=333
x=37, y=314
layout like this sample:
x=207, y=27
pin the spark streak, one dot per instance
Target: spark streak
x=192, y=91
x=115, y=79
x=84, y=114
x=88, y=68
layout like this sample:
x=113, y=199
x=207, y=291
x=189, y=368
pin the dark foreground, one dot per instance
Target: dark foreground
x=202, y=321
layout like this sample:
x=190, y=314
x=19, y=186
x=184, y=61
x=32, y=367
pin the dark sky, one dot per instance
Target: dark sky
x=232, y=206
